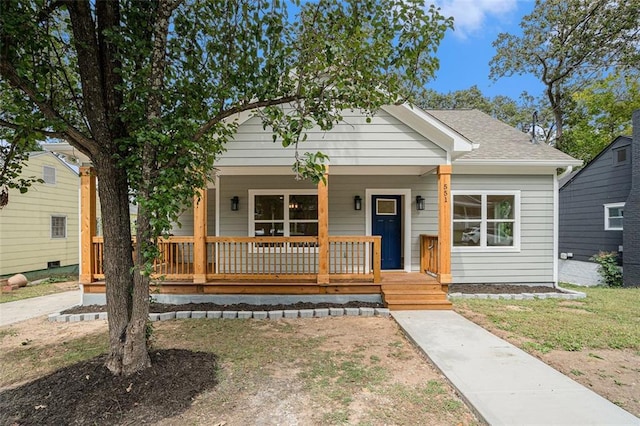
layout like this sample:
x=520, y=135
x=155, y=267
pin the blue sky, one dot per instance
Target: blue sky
x=465, y=53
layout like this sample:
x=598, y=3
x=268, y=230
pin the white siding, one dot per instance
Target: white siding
x=186, y=218
x=383, y=141
x=534, y=263
x=25, y=223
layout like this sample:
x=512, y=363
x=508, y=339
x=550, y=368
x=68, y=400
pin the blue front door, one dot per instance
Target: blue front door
x=387, y=223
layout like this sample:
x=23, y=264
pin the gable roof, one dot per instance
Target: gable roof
x=618, y=140
x=470, y=137
x=499, y=143
x=35, y=154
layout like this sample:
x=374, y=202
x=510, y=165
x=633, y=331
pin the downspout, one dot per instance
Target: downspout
x=567, y=171
x=556, y=222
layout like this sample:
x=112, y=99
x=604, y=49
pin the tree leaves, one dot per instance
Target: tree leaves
x=569, y=43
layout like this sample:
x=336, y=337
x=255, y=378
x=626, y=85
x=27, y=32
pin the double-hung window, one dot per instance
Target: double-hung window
x=283, y=213
x=613, y=214
x=486, y=220
x=58, y=227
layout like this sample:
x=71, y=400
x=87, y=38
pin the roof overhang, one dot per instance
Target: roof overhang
x=71, y=154
x=569, y=162
x=431, y=128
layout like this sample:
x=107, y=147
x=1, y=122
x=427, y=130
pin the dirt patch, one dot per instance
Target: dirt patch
x=611, y=373
x=501, y=289
x=67, y=285
x=344, y=370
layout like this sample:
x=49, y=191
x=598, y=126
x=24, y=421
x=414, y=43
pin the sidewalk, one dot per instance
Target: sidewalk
x=505, y=385
x=21, y=310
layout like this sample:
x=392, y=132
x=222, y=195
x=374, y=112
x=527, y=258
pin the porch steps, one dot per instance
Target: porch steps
x=403, y=297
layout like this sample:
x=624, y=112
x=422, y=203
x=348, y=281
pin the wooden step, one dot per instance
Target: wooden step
x=407, y=296
x=413, y=291
x=433, y=287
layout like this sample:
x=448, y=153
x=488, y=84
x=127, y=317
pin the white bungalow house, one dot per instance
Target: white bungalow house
x=414, y=200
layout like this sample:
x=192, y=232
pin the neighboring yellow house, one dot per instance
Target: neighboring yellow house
x=39, y=230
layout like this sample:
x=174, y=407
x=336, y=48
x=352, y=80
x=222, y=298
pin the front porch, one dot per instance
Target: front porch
x=322, y=264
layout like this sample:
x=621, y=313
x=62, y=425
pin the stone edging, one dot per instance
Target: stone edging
x=569, y=294
x=301, y=313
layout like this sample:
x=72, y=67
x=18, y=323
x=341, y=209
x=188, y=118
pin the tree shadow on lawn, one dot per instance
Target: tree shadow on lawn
x=87, y=393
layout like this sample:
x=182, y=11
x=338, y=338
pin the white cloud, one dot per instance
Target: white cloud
x=470, y=16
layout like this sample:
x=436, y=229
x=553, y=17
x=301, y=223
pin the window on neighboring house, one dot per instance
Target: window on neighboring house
x=486, y=220
x=58, y=227
x=49, y=174
x=613, y=214
x=620, y=155
x=284, y=213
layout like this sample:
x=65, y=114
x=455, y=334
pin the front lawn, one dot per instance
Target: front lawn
x=595, y=340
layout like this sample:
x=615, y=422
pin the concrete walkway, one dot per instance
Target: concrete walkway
x=505, y=385
x=21, y=310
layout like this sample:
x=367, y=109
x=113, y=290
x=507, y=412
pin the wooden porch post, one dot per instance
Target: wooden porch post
x=444, y=224
x=200, y=237
x=87, y=222
x=323, y=229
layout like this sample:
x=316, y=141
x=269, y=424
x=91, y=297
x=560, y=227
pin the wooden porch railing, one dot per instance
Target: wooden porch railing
x=262, y=258
x=429, y=254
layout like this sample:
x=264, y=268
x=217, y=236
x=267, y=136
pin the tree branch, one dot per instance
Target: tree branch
x=49, y=133
x=241, y=108
x=72, y=134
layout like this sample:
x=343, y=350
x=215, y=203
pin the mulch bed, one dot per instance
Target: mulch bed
x=87, y=393
x=500, y=289
x=159, y=308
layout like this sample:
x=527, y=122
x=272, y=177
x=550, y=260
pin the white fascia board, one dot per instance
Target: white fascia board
x=64, y=148
x=431, y=128
x=241, y=117
x=523, y=162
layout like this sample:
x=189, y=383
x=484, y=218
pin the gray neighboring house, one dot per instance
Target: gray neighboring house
x=593, y=202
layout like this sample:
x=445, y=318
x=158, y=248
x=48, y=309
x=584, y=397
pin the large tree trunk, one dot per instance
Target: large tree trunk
x=127, y=303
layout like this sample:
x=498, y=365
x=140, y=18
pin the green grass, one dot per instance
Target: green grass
x=606, y=318
x=35, y=290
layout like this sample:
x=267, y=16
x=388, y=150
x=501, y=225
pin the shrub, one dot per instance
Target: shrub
x=608, y=268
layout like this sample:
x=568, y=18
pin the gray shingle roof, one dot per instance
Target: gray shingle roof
x=497, y=141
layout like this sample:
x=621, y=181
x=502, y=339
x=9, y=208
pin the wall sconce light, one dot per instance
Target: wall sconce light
x=235, y=203
x=419, y=202
x=357, y=203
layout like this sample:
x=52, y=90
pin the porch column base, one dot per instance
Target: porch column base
x=444, y=279
x=85, y=279
x=323, y=279
x=199, y=279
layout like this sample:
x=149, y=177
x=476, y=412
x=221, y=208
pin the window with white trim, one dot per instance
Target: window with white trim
x=58, y=227
x=613, y=214
x=486, y=220
x=49, y=175
x=283, y=213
